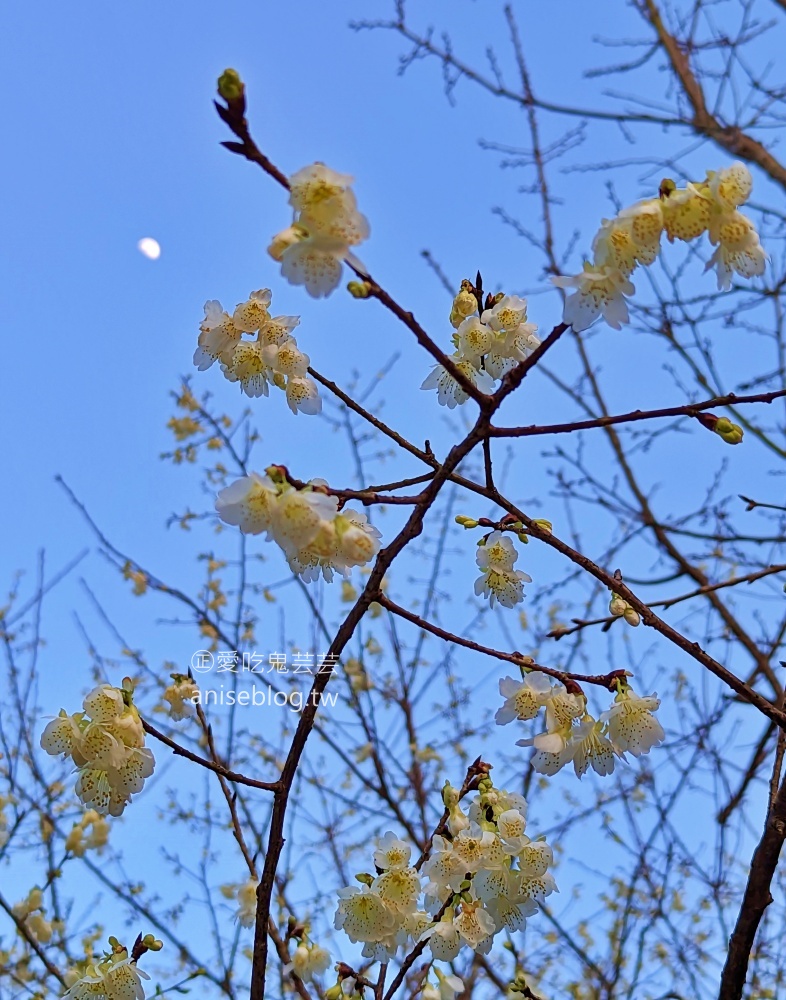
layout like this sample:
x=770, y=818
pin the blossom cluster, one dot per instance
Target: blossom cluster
x=79, y=840
x=32, y=913
x=113, y=977
x=5, y=800
x=106, y=742
x=483, y=875
x=498, y=580
x=316, y=537
x=272, y=357
x=572, y=734
x=245, y=895
x=180, y=697
x=308, y=960
x=326, y=224
x=633, y=237
x=487, y=344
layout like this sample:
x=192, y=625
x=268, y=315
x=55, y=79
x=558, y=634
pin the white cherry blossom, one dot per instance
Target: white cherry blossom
x=523, y=698
x=600, y=291
x=449, y=392
x=632, y=726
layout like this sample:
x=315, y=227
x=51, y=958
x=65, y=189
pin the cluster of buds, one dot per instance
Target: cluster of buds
x=633, y=236
x=620, y=608
x=488, y=342
x=106, y=742
x=271, y=357
x=722, y=426
x=316, y=537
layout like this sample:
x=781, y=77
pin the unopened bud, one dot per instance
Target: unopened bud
x=523, y=537
x=722, y=426
x=543, y=524
x=230, y=86
x=364, y=878
x=334, y=993
x=457, y=820
x=466, y=522
x=731, y=433
x=617, y=605
x=464, y=304
x=359, y=289
x=631, y=616
x=450, y=795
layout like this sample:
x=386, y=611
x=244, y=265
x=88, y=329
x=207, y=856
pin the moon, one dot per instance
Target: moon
x=149, y=248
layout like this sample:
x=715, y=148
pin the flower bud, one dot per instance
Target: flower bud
x=364, y=878
x=457, y=820
x=631, y=616
x=464, y=304
x=466, y=522
x=359, y=289
x=722, y=426
x=731, y=433
x=450, y=795
x=543, y=524
x=230, y=86
x=617, y=605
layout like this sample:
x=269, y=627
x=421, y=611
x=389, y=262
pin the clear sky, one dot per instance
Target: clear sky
x=111, y=136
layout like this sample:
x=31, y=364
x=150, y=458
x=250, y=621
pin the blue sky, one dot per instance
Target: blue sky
x=113, y=137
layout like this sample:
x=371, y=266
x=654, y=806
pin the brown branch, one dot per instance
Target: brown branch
x=614, y=582
x=756, y=899
x=426, y=455
x=27, y=936
x=366, y=496
x=219, y=769
x=412, y=529
x=604, y=680
x=687, y=410
x=426, y=45
x=759, y=756
x=234, y=118
x=728, y=137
